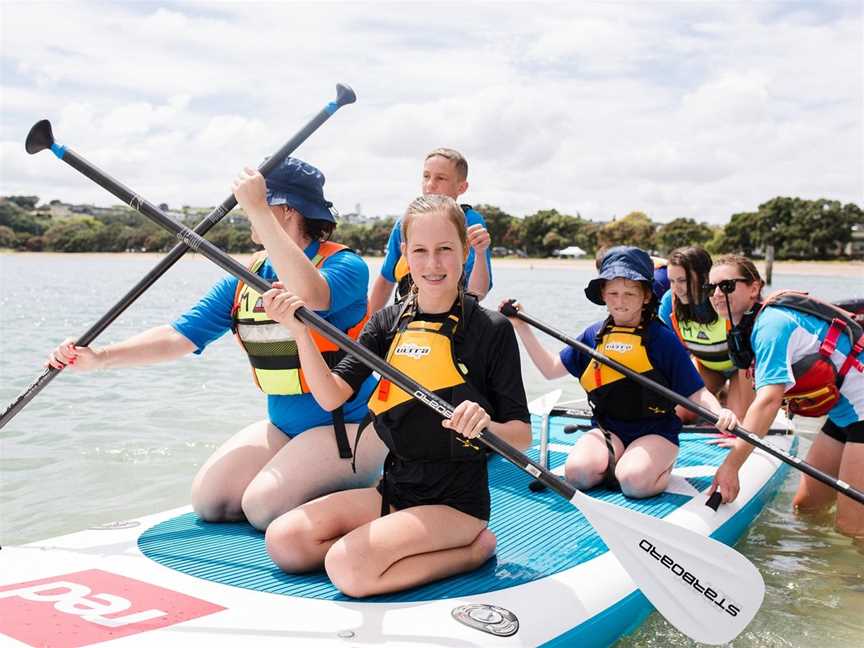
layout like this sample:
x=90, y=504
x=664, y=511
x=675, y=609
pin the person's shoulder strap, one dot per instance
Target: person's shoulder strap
x=254, y=266
x=327, y=249
x=465, y=311
x=804, y=303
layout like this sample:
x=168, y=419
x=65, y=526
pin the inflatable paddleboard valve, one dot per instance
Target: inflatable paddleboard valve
x=488, y=618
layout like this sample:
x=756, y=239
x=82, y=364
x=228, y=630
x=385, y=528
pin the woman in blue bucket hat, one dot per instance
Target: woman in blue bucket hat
x=634, y=443
x=300, y=451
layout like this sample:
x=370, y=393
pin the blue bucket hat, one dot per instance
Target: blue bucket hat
x=300, y=186
x=624, y=262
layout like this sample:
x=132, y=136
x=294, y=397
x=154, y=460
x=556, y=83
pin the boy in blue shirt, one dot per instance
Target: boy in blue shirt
x=445, y=172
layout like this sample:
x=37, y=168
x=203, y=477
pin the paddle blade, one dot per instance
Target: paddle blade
x=707, y=590
x=543, y=405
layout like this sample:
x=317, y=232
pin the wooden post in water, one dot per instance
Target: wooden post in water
x=769, y=262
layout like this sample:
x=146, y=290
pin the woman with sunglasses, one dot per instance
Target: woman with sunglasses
x=686, y=308
x=785, y=346
x=634, y=443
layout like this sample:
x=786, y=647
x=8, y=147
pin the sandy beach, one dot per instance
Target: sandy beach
x=840, y=268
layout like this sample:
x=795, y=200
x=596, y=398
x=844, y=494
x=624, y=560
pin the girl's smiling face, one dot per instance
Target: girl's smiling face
x=435, y=255
x=678, y=282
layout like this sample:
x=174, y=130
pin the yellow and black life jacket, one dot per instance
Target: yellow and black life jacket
x=706, y=342
x=424, y=350
x=817, y=381
x=271, y=349
x=611, y=393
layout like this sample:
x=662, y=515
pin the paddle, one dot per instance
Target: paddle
x=541, y=407
x=841, y=486
x=40, y=137
x=586, y=414
x=707, y=590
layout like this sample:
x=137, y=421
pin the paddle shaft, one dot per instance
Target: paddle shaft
x=131, y=199
x=677, y=398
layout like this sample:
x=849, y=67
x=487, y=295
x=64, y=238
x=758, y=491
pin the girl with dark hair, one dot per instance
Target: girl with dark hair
x=687, y=309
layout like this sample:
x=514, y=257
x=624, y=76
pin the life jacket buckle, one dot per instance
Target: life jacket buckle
x=829, y=344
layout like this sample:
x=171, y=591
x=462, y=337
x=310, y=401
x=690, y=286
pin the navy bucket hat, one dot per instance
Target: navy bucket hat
x=300, y=186
x=619, y=262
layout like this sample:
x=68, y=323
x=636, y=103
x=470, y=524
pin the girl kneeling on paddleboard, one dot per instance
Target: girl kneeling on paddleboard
x=810, y=355
x=635, y=442
x=427, y=518
x=300, y=451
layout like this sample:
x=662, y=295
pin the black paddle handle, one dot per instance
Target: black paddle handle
x=344, y=95
x=509, y=310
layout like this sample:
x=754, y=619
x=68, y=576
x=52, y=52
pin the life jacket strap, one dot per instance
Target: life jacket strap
x=829, y=344
x=341, y=434
x=609, y=478
x=385, y=488
x=366, y=421
x=852, y=359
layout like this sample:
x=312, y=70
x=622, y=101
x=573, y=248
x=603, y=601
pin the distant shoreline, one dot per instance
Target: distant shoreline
x=840, y=268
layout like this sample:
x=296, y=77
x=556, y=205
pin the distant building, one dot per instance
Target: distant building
x=855, y=247
x=572, y=252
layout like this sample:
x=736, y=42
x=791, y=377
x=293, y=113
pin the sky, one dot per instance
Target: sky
x=678, y=109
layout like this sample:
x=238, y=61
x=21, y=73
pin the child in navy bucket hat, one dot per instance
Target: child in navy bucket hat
x=299, y=185
x=258, y=473
x=634, y=442
x=624, y=262
x=293, y=220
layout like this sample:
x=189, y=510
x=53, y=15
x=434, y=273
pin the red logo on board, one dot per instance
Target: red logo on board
x=87, y=607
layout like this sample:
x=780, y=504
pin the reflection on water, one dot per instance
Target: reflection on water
x=96, y=448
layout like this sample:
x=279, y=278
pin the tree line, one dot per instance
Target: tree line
x=797, y=228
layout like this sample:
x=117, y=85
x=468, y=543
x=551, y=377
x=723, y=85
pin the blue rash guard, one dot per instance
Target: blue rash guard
x=783, y=336
x=348, y=278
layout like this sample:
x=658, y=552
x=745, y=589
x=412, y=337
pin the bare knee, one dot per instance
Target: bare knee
x=292, y=544
x=260, y=507
x=347, y=573
x=583, y=474
x=638, y=483
x=483, y=547
x=214, y=506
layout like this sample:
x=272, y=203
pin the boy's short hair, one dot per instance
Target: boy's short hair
x=455, y=157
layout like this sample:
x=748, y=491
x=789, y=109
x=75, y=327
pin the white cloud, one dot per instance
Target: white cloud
x=676, y=109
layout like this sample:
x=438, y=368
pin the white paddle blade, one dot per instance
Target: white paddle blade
x=543, y=405
x=707, y=590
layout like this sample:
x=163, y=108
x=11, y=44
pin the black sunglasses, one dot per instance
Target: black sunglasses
x=727, y=285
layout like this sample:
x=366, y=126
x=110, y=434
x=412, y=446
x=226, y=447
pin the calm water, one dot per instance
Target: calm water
x=100, y=447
